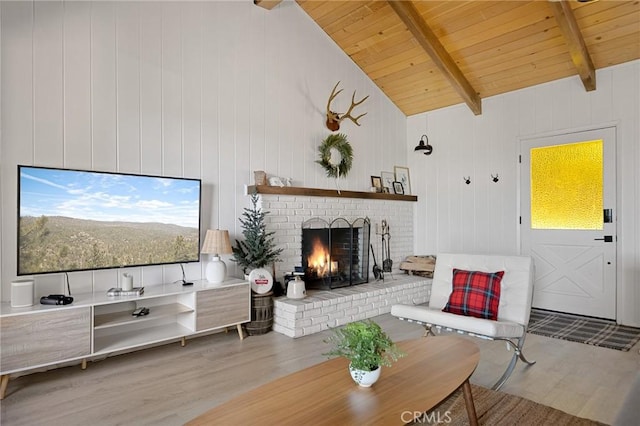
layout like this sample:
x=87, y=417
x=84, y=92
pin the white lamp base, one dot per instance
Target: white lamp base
x=216, y=270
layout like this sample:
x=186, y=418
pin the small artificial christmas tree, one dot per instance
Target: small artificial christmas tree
x=258, y=249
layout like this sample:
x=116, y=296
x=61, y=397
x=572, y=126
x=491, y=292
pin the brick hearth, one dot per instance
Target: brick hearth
x=322, y=309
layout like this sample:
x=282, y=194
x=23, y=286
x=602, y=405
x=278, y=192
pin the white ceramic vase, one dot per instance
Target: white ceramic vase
x=365, y=378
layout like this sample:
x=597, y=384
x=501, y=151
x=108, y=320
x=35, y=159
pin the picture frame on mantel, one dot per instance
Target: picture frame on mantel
x=376, y=183
x=387, y=180
x=402, y=176
x=397, y=188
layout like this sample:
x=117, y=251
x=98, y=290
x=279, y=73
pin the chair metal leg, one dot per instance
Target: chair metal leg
x=517, y=353
x=507, y=372
x=428, y=331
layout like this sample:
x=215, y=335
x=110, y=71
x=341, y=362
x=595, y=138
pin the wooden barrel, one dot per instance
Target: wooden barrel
x=261, y=314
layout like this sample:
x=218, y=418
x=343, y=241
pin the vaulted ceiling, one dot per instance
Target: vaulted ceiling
x=426, y=55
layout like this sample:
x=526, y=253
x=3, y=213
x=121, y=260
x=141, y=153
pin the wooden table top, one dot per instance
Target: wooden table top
x=433, y=368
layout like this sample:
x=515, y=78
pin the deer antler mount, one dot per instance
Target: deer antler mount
x=335, y=118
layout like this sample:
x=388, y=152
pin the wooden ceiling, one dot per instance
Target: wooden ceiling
x=449, y=52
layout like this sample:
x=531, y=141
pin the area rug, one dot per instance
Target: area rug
x=495, y=408
x=576, y=328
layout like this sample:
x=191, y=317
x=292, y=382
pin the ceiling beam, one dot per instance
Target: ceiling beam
x=267, y=4
x=438, y=54
x=577, y=47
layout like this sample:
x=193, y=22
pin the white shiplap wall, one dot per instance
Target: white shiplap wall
x=482, y=216
x=213, y=90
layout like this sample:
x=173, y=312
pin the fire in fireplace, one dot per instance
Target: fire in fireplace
x=335, y=254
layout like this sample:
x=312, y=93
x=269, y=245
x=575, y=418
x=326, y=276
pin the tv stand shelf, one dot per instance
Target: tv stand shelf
x=132, y=338
x=115, y=319
x=97, y=325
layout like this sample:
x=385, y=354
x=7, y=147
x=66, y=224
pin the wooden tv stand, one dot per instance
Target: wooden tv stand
x=97, y=325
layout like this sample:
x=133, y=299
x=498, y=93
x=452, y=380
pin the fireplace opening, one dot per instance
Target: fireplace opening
x=335, y=254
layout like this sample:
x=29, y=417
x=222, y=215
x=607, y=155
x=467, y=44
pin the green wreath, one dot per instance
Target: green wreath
x=335, y=143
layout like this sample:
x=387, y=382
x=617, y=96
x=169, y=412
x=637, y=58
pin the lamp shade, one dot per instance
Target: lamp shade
x=216, y=241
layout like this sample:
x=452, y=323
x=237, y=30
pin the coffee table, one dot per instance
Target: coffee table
x=433, y=369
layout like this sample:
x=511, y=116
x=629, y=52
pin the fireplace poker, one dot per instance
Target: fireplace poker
x=386, y=263
x=377, y=272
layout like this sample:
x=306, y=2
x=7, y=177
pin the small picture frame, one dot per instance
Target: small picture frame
x=398, y=188
x=387, y=180
x=402, y=176
x=376, y=182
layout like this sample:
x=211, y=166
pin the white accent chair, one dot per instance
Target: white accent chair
x=516, y=291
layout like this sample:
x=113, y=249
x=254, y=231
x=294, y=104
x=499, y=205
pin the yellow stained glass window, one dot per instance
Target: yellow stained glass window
x=566, y=186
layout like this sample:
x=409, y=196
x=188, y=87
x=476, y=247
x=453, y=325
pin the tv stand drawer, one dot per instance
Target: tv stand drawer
x=220, y=307
x=44, y=337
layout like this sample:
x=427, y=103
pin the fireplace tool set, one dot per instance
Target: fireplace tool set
x=387, y=263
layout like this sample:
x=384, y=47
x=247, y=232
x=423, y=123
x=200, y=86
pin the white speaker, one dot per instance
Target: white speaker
x=21, y=293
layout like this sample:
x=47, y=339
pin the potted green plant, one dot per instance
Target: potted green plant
x=367, y=347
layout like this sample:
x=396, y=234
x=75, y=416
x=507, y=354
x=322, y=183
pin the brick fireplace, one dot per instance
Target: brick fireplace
x=323, y=309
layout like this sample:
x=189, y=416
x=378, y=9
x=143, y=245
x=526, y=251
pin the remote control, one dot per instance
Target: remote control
x=139, y=312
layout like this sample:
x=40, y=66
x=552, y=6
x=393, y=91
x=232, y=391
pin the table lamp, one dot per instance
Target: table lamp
x=216, y=242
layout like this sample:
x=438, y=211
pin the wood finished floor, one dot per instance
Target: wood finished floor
x=169, y=385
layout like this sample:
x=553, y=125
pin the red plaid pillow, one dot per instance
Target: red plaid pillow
x=475, y=294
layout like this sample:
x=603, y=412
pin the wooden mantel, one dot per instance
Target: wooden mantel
x=317, y=192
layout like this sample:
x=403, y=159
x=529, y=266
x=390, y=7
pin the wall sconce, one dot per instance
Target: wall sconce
x=426, y=148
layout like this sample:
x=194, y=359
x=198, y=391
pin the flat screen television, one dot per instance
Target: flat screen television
x=77, y=220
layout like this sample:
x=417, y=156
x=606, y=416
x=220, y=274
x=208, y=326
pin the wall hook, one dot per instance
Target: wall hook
x=495, y=178
x=466, y=180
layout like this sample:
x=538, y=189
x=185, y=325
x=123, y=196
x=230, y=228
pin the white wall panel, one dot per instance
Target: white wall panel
x=527, y=111
x=191, y=88
x=17, y=89
x=48, y=83
x=210, y=115
x=103, y=86
x=483, y=216
x=229, y=28
x=151, y=89
x=172, y=119
x=580, y=103
x=560, y=106
x=237, y=169
x=77, y=85
x=128, y=86
x=258, y=54
x=544, y=115
x=601, y=99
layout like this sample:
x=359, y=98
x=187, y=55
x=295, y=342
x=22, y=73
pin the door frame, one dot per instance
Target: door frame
x=569, y=131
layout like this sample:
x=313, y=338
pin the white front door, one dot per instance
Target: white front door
x=568, y=215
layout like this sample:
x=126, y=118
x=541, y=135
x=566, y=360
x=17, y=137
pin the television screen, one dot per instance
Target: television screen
x=75, y=220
